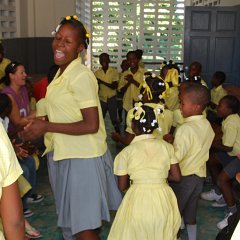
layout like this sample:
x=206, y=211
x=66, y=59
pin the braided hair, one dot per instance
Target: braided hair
x=74, y=22
x=144, y=119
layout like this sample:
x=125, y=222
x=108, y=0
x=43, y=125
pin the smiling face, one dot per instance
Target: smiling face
x=19, y=77
x=66, y=46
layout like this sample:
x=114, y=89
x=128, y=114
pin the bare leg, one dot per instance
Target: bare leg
x=225, y=184
x=87, y=235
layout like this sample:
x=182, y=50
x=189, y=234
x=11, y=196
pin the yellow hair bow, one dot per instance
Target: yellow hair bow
x=146, y=90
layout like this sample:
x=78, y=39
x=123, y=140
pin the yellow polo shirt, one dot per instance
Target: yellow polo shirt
x=110, y=76
x=3, y=65
x=217, y=94
x=10, y=169
x=172, y=99
x=41, y=111
x=76, y=88
x=231, y=133
x=145, y=158
x=132, y=93
x=192, y=142
x=165, y=121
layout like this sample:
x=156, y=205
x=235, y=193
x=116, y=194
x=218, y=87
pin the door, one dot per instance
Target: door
x=212, y=37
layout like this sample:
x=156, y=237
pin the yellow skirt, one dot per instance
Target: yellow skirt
x=149, y=212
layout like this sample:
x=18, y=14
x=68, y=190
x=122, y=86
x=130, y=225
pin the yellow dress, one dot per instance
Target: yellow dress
x=149, y=208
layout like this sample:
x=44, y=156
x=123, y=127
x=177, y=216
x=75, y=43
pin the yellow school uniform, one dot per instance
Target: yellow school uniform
x=110, y=76
x=3, y=65
x=24, y=185
x=231, y=133
x=149, y=209
x=192, y=142
x=10, y=169
x=172, y=99
x=132, y=93
x=217, y=94
x=78, y=89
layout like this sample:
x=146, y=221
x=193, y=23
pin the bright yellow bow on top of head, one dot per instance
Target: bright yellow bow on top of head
x=146, y=90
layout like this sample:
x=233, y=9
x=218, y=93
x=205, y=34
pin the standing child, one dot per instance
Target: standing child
x=108, y=82
x=130, y=81
x=195, y=71
x=149, y=209
x=223, y=162
x=124, y=67
x=152, y=93
x=85, y=185
x=192, y=142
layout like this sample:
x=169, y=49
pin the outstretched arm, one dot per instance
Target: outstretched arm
x=12, y=213
x=89, y=124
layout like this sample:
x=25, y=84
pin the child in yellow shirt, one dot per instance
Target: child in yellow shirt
x=192, y=142
x=149, y=208
x=223, y=162
x=108, y=82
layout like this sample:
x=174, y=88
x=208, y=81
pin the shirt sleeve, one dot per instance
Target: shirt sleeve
x=120, y=164
x=229, y=135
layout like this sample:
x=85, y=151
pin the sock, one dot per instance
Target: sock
x=232, y=209
x=192, y=231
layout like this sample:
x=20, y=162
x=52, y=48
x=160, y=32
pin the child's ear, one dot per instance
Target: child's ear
x=81, y=48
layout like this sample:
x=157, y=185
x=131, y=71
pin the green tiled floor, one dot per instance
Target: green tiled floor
x=45, y=218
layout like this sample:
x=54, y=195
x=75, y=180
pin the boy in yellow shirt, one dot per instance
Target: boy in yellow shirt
x=130, y=81
x=108, y=82
x=224, y=163
x=192, y=142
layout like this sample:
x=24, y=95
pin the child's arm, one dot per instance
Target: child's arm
x=130, y=79
x=123, y=182
x=168, y=138
x=112, y=85
x=218, y=145
x=12, y=213
x=125, y=140
x=174, y=174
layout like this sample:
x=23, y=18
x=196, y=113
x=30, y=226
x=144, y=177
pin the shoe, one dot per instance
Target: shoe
x=32, y=233
x=27, y=213
x=211, y=195
x=35, y=198
x=220, y=203
x=222, y=224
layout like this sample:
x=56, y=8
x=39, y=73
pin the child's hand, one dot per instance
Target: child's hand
x=129, y=78
x=115, y=136
x=168, y=138
x=19, y=150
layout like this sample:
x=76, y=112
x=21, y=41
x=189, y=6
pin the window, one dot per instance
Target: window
x=7, y=19
x=156, y=27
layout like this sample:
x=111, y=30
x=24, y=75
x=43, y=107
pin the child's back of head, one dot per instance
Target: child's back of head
x=5, y=105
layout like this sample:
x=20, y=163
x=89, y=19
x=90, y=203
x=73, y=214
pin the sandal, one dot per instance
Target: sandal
x=32, y=233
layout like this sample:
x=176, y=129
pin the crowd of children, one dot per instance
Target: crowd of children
x=169, y=145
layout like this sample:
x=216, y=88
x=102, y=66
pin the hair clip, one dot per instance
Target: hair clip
x=56, y=30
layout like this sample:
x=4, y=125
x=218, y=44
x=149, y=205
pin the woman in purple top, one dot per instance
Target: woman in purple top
x=15, y=80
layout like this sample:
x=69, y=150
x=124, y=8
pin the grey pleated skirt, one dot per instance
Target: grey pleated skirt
x=85, y=191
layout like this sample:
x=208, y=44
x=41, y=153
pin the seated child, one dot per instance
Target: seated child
x=192, y=142
x=223, y=162
x=195, y=70
x=152, y=93
x=149, y=208
x=217, y=93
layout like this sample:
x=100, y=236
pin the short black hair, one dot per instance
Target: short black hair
x=232, y=102
x=201, y=94
x=221, y=76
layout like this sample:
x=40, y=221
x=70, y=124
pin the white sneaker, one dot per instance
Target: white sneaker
x=210, y=196
x=222, y=224
x=220, y=203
